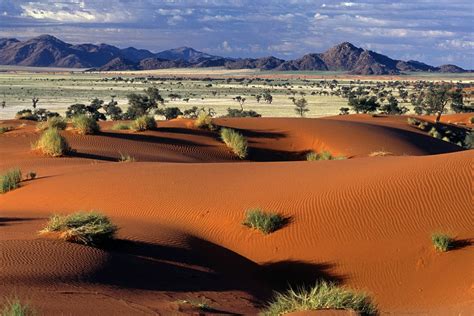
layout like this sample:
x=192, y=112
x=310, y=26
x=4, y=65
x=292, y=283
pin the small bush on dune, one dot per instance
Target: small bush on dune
x=442, y=242
x=13, y=307
x=235, y=141
x=121, y=127
x=85, y=228
x=324, y=155
x=10, y=180
x=85, y=125
x=143, y=123
x=31, y=175
x=265, y=222
x=52, y=122
x=4, y=129
x=51, y=143
x=204, y=120
x=126, y=158
x=380, y=153
x=323, y=295
x=471, y=119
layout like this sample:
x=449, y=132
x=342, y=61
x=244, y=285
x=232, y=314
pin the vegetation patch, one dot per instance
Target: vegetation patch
x=120, y=127
x=52, y=122
x=323, y=295
x=85, y=125
x=4, y=129
x=442, y=242
x=126, y=158
x=52, y=143
x=235, y=141
x=14, y=307
x=10, y=180
x=204, y=121
x=324, y=155
x=143, y=123
x=453, y=134
x=264, y=221
x=84, y=228
x=380, y=153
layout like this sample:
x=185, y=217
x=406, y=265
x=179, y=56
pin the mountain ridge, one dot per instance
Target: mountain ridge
x=49, y=51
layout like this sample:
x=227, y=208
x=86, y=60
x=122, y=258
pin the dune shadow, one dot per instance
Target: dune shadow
x=155, y=139
x=186, y=131
x=10, y=220
x=76, y=154
x=268, y=155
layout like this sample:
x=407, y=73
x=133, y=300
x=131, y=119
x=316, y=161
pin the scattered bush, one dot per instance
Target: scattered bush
x=471, y=119
x=35, y=115
x=456, y=135
x=323, y=295
x=10, y=180
x=4, y=129
x=31, y=175
x=85, y=125
x=85, y=228
x=204, y=120
x=51, y=143
x=324, y=155
x=169, y=113
x=126, y=158
x=442, y=242
x=120, y=127
x=241, y=113
x=235, y=141
x=52, y=122
x=143, y=123
x=265, y=222
x=13, y=307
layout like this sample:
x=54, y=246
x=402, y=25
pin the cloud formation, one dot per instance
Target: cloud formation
x=435, y=32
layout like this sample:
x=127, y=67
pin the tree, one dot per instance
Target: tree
x=301, y=106
x=436, y=99
x=343, y=111
x=364, y=104
x=258, y=97
x=267, y=97
x=392, y=107
x=35, y=101
x=142, y=104
x=112, y=110
x=241, y=101
x=169, y=113
x=91, y=110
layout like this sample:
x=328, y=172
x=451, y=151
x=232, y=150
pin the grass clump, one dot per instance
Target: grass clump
x=85, y=125
x=323, y=295
x=51, y=143
x=84, y=228
x=126, y=158
x=10, y=180
x=4, y=129
x=14, y=307
x=442, y=242
x=143, y=123
x=120, y=127
x=265, y=222
x=52, y=122
x=235, y=141
x=324, y=155
x=380, y=153
x=471, y=119
x=204, y=121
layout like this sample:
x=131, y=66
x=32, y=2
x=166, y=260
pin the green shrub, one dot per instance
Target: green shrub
x=85, y=125
x=52, y=122
x=4, y=129
x=324, y=155
x=121, y=127
x=265, y=222
x=323, y=295
x=471, y=119
x=144, y=123
x=442, y=242
x=13, y=307
x=51, y=143
x=235, y=141
x=85, y=228
x=204, y=120
x=10, y=180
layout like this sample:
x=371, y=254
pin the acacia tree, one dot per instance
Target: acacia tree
x=142, y=104
x=364, y=104
x=392, y=107
x=301, y=106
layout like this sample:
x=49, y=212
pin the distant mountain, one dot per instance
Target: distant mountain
x=48, y=51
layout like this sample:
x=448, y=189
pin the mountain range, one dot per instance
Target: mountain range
x=49, y=51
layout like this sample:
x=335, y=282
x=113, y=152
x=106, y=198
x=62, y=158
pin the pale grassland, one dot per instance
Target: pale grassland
x=59, y=89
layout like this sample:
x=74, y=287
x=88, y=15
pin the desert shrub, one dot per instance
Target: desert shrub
x=14, y=307
x=323, y=295
x=52, y=122
x=324, y=155
x=235, y=141
x=380, y=153
x=126, y=158
x=169, y=113
x=31, y=175
x=241, y=113
x=442, y=242
x=26, y=115
x=143, y=123
x=35, y=115
x=203, y=120
x=85, y=125
x=51, y=143
x=471, y=119
x=4, y=129
x=120, y=127
x=84, y=228
x=265, y=222
x=10, y=180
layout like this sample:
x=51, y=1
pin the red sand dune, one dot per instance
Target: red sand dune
x=364, y=222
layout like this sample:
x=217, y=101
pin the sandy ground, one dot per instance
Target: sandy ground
x=364, y=222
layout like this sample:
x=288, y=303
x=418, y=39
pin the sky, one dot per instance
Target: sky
x=434, y=32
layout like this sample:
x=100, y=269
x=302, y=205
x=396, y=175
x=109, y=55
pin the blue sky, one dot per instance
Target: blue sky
x=435, y=32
